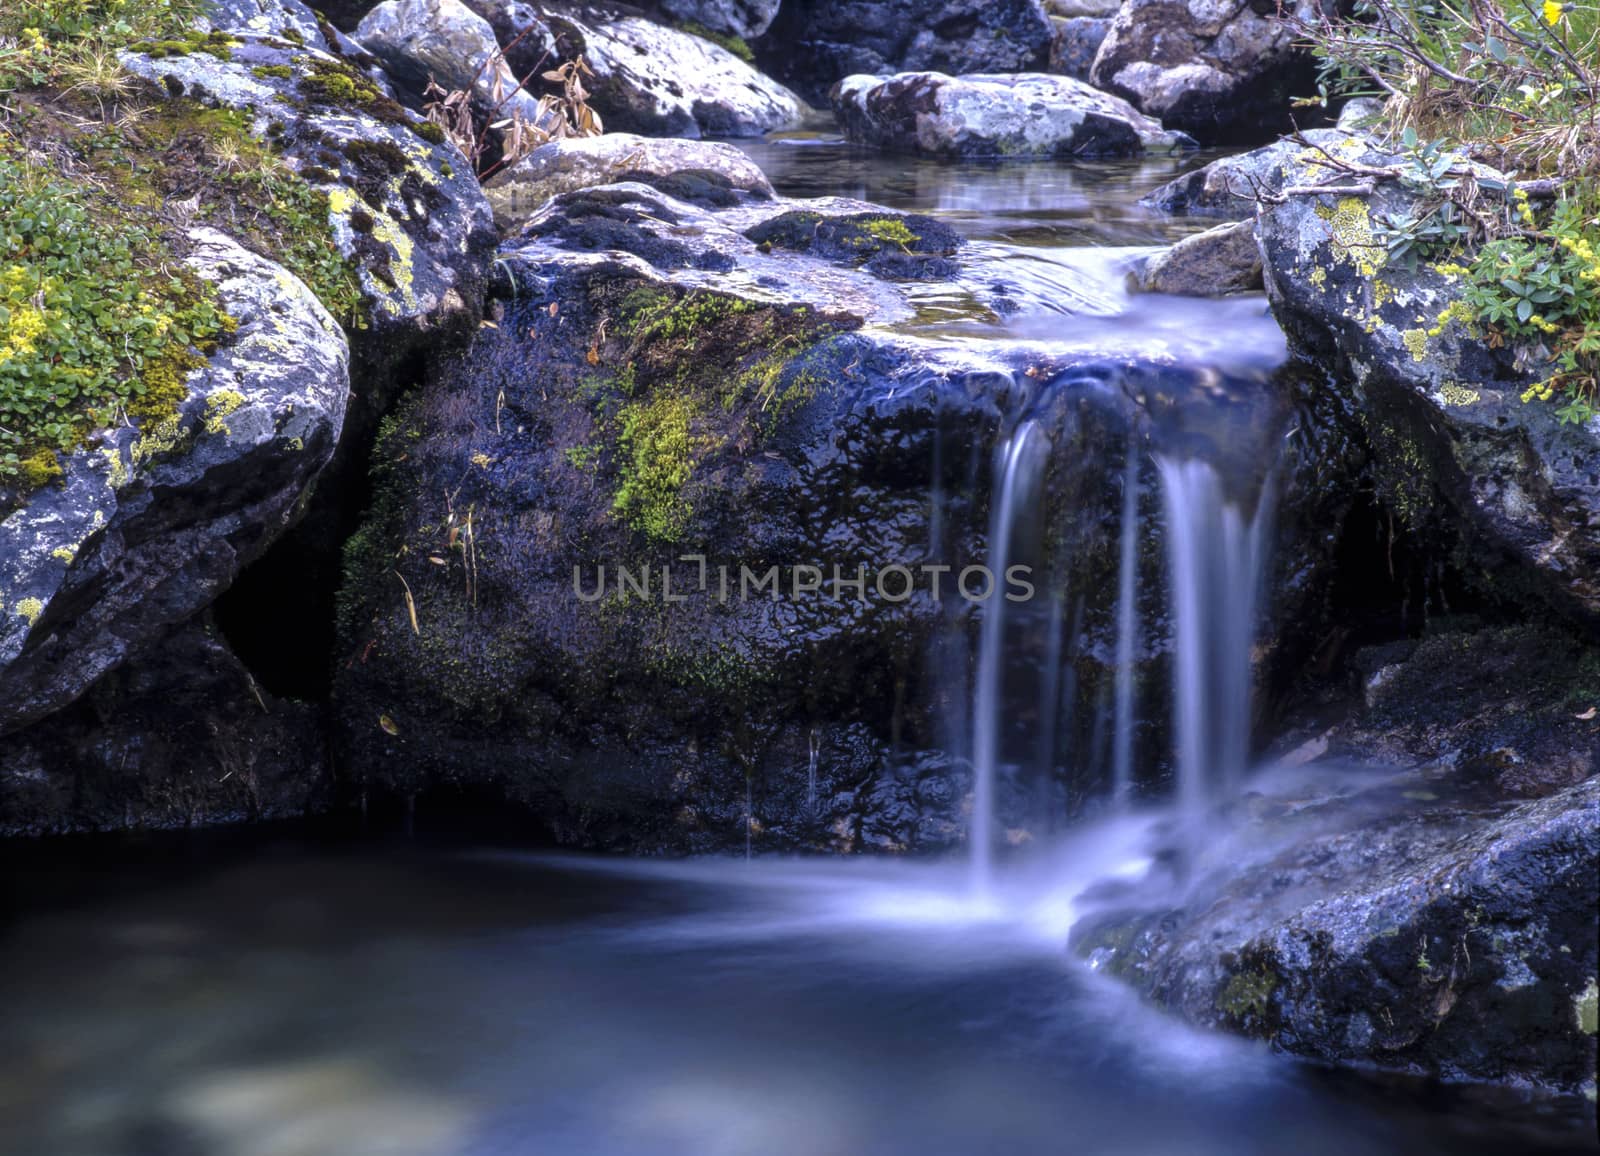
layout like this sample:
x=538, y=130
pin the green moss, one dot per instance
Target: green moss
x=431, y=133
x=1586, y=1007
x=39, y=468
x=273, y=72
x=1247, y=994
x=658, y=449
x=891, y=230
x=734, y=44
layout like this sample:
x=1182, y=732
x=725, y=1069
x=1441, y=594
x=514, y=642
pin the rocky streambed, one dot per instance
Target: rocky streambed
x=483, y=549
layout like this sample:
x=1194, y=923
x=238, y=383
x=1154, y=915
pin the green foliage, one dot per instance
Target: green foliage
x=1515, y=80
x=46, y=41
x=96, y=319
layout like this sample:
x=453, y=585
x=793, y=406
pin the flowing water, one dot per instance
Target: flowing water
x=368, y=1001
x=293, y=998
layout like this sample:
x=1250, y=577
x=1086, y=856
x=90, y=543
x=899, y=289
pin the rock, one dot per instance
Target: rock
x=1215, y=263
x=1031, y=115
x=658, y=81
x=1223, y=72
x=744, y=19
x=648, y=78
x=675, y=166
x=1451, y=442
x=404, y=206
x=813, y=45
x=1071, y=9
x=667, y=381
x=148, y=526
x=444, y=40
x=1407, y=923
x=181, y=737
x=289, y=19
x=1226, y=187
x=1077, y=40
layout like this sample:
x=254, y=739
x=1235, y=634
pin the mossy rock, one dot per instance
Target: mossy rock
x=890, y=245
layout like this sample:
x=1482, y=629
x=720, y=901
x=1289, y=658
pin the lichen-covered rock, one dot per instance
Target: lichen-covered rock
x=1223, y=72
x=148, y=525
x=1077, y=40
x=1439, y=402
x=745, y=19
x=1227, y=186
x=1028, y=115
x=1413, y=922
x=1214, y=263
x=813, y=45
x=181, y=737
x=683, y=167
x=404, y=206
x=447, y=42
x=289, y=19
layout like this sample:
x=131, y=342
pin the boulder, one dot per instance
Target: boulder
x=1452, y=443
x=1215, y=263
x=813, y=45
x=447, y=42
x=404, y=207
x=289, y=19
x=1023, y=116
x=649, y=78
x=147, y=526
x=1077, y=40
x=681, y=166
x=182, y=737
x=1227, y=186
x=743, y=19
x=1071, y=9
x=1223, y=72
x=748, y=385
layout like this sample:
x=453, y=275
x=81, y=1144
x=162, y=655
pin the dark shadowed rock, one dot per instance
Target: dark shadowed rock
x=1077, y=40
x=815, y=43
x=745, y=19
x=1031, y=115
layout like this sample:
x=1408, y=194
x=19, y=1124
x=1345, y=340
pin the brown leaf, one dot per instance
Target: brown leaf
x=387, y=725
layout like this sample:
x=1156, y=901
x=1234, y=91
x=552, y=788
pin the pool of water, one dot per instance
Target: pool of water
x=356, y=1000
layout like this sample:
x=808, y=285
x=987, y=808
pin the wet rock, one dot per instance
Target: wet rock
x=447, y=42
x=1215, y=263
x=182, y=737
x=1076, y=41
x=744, y=19
x=667, y=382
x=1070, y=9
x=1416, y=924
x=148, y=525
x=695, y=171
x=1451, y=440
x=1030, y=115
x=1224, y=73
x=813, y=45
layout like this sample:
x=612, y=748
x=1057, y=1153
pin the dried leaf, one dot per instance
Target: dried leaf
x=1587, y=715
x=387, y=725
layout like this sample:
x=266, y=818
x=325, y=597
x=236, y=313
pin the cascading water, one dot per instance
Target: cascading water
x=1215, y=557
x=1127, y=628
x=1017, y=477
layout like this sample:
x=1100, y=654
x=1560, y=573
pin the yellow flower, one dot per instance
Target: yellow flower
x=1553, y=11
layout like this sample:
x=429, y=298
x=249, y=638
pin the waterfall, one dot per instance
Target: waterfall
x=1017, y=473
x=1215, y=556
x=1127, y=628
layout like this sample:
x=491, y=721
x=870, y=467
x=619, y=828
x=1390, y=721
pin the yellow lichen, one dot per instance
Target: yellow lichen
x=1453, y=394
x=30, y=609
x=64, y=554
x=1350, y=224
x=1416, y=343
x=1318, y=277
x=218, y=406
